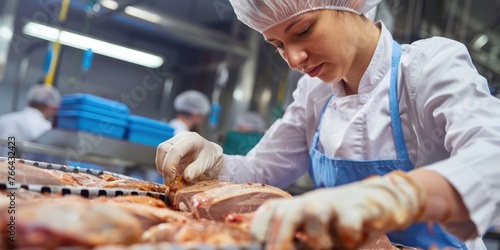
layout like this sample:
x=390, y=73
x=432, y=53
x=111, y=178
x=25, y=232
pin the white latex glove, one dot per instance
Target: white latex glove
x=350, y=215
x=190, y=155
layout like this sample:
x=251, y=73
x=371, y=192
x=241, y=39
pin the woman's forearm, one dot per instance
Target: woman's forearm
x=443, y=203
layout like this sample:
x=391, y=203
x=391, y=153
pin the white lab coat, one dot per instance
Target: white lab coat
x=451, y=125
x=25, y=125
x=178, y=126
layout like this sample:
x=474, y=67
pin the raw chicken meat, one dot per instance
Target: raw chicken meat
x=176, y=184
x=109, y=181
x=72, y=221
x=82, y=179
x=380, y=243
x=147, y=215
x=181, y=200
x=26, y=174
x=207, y=232
x=135, y=199
x=243, y=221
x=217, y=203
x=26, y=195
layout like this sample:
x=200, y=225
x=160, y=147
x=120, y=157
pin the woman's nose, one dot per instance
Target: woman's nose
x=295, y=57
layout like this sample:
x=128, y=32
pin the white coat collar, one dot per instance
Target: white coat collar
x=35, y=112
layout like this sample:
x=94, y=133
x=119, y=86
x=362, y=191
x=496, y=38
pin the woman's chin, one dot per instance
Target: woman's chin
x=328, y=79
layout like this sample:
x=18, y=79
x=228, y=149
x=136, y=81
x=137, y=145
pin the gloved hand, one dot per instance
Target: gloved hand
x=351, y=215
x=191, y=155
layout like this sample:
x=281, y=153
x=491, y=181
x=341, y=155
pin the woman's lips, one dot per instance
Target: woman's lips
x=314, y=71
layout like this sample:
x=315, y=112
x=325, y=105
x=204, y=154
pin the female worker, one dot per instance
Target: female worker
x=417, y=116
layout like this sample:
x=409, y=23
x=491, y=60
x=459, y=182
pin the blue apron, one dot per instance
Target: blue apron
x=330, y=172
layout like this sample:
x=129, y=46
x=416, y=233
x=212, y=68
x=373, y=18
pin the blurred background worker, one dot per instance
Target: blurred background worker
x=192, y=108
x=31, y=122
x=250, y=128
x=250, y=121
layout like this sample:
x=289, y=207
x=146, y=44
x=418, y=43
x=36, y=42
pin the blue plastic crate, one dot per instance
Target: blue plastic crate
x=148, y=131
x=95, y=104
x=91, y=122
x=139, y=122
x=152, y=140
x=95, y=110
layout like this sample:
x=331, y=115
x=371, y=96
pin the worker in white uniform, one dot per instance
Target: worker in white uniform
x=250, y=121
x=416, y=118
x=192, y=108
x=34, y=120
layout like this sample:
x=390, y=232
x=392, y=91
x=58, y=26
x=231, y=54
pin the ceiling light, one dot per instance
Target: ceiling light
x=98, y=46
x=5, y=33
x=109, y=4
x=142, y=14
x=480, y=41
x=238, y=94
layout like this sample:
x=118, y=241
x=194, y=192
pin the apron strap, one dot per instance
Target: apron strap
x=316, y=134
x=397, y=129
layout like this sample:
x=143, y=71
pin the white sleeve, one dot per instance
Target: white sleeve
x=281, y=156
x=450, y=95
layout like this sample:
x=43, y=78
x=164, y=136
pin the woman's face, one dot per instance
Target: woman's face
x=322, y=43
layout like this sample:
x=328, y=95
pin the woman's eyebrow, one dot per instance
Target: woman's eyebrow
x=289, y=26
x=297, y=20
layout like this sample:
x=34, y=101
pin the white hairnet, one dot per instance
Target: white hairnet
x=262, y=15
x=192, y=101
x=251, y=121
x=44, y=94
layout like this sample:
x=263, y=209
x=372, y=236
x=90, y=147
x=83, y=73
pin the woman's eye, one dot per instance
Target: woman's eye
x=306, y=31
x=279, y=47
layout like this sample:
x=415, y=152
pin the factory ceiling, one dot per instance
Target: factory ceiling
x=211, y=24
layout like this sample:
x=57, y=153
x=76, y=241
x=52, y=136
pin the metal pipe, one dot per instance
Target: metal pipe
x=22, y=69
x=195, y=34
x=57, y=50
x=451, y=18
x=7, y=18
x=105, y=16
x=465, y=19
x=246, y=80
x=417, y=18
x=21, y=74
x=409, y=21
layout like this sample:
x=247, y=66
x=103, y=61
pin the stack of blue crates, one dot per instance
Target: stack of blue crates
x=148, y=131
x=94, y=114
